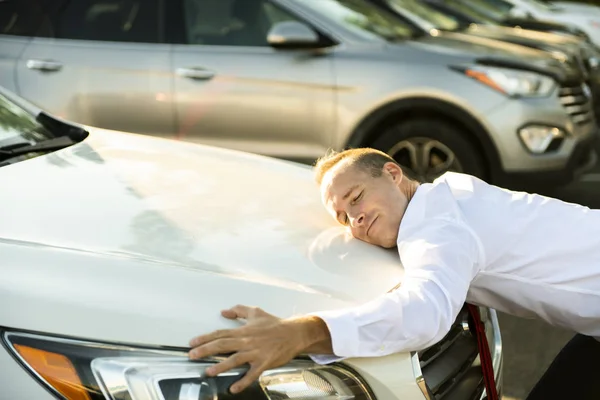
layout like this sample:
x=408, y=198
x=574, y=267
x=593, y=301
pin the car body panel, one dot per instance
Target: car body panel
x=236, y=108
x=107, y=83
x=166, y=211
x=134, y=242
x=10, y=51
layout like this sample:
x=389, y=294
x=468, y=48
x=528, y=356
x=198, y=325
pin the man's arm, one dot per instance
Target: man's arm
x=318, y=338
x=440, y=261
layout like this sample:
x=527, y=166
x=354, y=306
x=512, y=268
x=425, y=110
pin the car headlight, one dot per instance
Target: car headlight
x=511, y=82
x=79, y=370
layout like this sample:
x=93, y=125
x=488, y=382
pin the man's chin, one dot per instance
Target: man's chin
x=385, y=243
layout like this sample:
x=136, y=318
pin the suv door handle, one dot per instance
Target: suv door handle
x=196, y=73
x=44, y=65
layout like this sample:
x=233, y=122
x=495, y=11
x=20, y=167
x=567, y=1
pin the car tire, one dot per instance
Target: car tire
x=427, y=148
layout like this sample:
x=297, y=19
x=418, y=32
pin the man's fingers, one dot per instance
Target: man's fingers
x=239, y=311
x=209, y=337
x=252, y=375
x=231, y=362
x=230, y=314
x=219, y=346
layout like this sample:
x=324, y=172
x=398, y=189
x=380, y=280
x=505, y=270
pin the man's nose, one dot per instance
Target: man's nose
x=358, y=221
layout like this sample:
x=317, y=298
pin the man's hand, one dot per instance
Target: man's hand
x=265, y=342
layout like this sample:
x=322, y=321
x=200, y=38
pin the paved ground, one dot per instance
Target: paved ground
x=530, y=346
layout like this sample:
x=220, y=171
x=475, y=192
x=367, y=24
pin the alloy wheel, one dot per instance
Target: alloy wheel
x=425, y=158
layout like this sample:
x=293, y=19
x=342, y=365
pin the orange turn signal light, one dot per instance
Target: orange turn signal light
x=483, y=78
x=56, y=369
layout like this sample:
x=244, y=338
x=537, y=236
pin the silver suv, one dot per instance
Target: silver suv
x=292, y=78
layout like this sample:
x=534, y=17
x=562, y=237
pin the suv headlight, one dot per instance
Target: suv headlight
x=511, y=82
x=79, y=370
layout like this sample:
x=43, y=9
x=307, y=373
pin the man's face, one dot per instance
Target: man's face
x=371, y=208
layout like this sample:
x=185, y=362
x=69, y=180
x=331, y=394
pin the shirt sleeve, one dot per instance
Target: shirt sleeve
x=440, y=259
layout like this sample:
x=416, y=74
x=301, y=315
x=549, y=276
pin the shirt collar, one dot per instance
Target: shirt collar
x=415, y=210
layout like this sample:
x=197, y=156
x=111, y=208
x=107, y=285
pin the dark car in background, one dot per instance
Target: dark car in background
x=464, y=12
x=573, y=49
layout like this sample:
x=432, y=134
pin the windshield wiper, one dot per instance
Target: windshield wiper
x=47, y=145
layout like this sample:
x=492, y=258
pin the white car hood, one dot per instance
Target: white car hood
x=121, y=236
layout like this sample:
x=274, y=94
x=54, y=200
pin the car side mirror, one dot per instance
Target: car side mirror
x=292, y=35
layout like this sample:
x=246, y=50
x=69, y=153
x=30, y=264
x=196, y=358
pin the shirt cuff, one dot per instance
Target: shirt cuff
x=344, y=335
x=324, y=358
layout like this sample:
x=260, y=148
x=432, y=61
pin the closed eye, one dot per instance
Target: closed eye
x=357, y=198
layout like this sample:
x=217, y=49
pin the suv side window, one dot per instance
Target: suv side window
x=109, y=20
x=106, y=20
x=23, y=18
x=231, y=22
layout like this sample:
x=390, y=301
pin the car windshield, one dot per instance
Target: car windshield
x=542, y=6
x=495, y=9
x=363, y=19
x=471, y=13
x=425, y=14
x=550, y=5
x=18, y=127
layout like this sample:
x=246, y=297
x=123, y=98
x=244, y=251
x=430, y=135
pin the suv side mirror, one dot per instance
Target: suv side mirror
x=292, y=35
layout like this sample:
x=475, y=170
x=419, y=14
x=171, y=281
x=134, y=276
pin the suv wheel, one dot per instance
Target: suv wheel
x=428, y=148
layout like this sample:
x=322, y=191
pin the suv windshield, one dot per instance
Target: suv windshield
x=496, y=9
x=471, y=12
x=425, y=14
x=542, y=6
x=18, y=127
x=364, y=19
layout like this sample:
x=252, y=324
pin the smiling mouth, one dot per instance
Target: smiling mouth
x=372, y=222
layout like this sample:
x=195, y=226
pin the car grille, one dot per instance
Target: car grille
x=577, y=103
x=450, y=369
x=582, y=64
x=588, y=59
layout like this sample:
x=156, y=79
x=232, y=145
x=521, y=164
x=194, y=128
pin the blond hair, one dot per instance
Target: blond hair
x=368, y=159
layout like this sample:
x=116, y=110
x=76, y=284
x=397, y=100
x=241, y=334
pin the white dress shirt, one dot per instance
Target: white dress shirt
x=462, y=239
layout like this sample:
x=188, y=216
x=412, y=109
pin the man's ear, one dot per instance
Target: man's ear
x=394, y=170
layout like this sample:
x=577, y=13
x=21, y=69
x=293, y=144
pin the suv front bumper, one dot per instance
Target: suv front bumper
x=582, y=159
x=569, y=110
